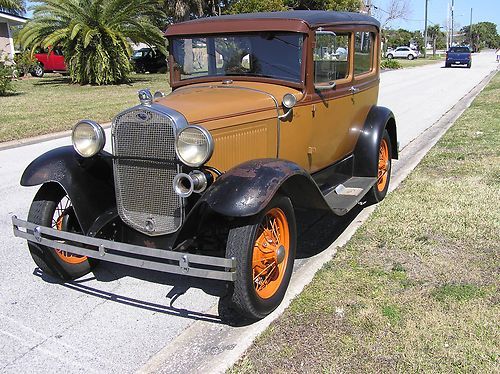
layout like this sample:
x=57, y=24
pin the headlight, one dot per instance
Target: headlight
x=88, y=138
x=194, y=146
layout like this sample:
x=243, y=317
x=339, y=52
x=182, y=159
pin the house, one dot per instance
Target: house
x=6, y=43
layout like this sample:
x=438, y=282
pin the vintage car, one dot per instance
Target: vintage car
x=269, y=114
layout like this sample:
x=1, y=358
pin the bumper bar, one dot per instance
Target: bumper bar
x=107, y=250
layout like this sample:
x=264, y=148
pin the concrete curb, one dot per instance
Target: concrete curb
x=40, y=138
x=217, y=348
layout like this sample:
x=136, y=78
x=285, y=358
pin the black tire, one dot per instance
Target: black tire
x=469, y=65
x=244, y=297
x=411, y=57
x=379, y=190
x=47, y=201
x=38, y=71
x=390, y=56
x=447, y=65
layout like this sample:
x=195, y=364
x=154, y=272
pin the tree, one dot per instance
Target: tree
x=250, y=6
x=12, y=6
x=94, y=34
x=435, y=34
x=338, y=5
x=484, y=34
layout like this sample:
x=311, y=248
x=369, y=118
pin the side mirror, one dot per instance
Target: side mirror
x=324, y=87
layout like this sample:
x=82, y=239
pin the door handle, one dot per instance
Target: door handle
x=354, y=90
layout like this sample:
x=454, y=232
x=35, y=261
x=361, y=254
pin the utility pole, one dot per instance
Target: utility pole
x=369, y=7
x=471, y=45
x=452, y=8
x=425, y=30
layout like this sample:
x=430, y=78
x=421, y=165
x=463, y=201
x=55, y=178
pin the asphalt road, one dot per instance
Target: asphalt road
x=121, y=319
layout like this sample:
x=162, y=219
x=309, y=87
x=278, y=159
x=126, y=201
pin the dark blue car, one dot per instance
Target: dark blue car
x=458, y=56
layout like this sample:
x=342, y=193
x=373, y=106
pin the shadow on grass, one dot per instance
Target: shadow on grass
x=65, y=80
x=13, y=93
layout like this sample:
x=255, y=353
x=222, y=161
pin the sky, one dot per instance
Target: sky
x=482, y=11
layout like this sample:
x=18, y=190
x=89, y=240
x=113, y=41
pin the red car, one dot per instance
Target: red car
x=51, y=60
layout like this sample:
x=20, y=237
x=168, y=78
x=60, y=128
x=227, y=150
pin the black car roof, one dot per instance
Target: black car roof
x=313, y=18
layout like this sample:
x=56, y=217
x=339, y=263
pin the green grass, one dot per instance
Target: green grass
x=420, y=61
x=52, y=103
x=416, y=288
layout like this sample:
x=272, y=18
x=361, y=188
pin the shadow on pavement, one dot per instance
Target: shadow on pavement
x=317, y=230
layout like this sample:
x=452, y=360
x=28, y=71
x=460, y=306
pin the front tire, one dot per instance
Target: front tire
x=52, y=207
x=264, y=248
x=38, y=71
x=384, y=161
x=390, y=56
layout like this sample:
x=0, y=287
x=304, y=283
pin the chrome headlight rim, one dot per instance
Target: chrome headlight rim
x=210, y=142
x=99, y=134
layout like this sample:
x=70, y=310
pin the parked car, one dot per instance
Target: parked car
x=270, y=114
x=402, y=52
x=458, y=56
x=149, y=60
x=49, y=60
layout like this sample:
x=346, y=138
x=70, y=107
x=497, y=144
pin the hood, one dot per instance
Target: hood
x=211, y=101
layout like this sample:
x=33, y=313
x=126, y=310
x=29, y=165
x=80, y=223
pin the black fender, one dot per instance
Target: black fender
x=247, y=188
x=367, y=147
x=87, y=181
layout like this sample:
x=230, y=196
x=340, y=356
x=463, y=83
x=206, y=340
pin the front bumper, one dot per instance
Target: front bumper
x=166, y=261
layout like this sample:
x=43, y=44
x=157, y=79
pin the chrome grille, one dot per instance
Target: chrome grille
x=144, y=168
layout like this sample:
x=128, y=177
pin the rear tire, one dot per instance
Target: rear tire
x=384, y=161
x=51, y=207
x=469, y=65
x=264, y=248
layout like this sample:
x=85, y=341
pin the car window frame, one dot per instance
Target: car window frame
x=348, y=78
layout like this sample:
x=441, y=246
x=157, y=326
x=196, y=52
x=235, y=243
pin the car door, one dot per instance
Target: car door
x=365, y=82
x=332, y=105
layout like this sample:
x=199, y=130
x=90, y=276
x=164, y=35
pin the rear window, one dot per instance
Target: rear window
x=459, y=49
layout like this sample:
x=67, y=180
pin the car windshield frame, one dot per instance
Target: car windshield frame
x=254, y=55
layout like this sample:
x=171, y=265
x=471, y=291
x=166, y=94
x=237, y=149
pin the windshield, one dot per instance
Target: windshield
x=266, y=54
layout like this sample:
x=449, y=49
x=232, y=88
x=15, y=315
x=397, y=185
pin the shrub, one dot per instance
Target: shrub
x=25, y=62
x=5, y=78
x=390, y=64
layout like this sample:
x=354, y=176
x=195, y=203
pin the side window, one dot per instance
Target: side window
x=331, y=57
x=363, y=52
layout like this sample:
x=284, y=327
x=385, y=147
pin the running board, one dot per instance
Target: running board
x=346, y=195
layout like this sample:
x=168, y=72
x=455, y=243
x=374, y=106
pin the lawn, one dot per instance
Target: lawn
x=416, y=289
x=52, y=103
x=420, y=61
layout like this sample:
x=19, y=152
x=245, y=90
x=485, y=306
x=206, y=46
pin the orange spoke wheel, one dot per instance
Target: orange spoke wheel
x=270, y=253
x=52, y=207
x=383, y=165
x=382, y=171
x=264, y=249
x=64, y=213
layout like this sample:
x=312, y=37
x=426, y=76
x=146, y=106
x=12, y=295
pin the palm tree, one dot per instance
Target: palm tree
x=12, y=6
x=94, y=34
x=433, y=32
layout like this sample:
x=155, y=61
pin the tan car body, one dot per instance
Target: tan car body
x=242, y=116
